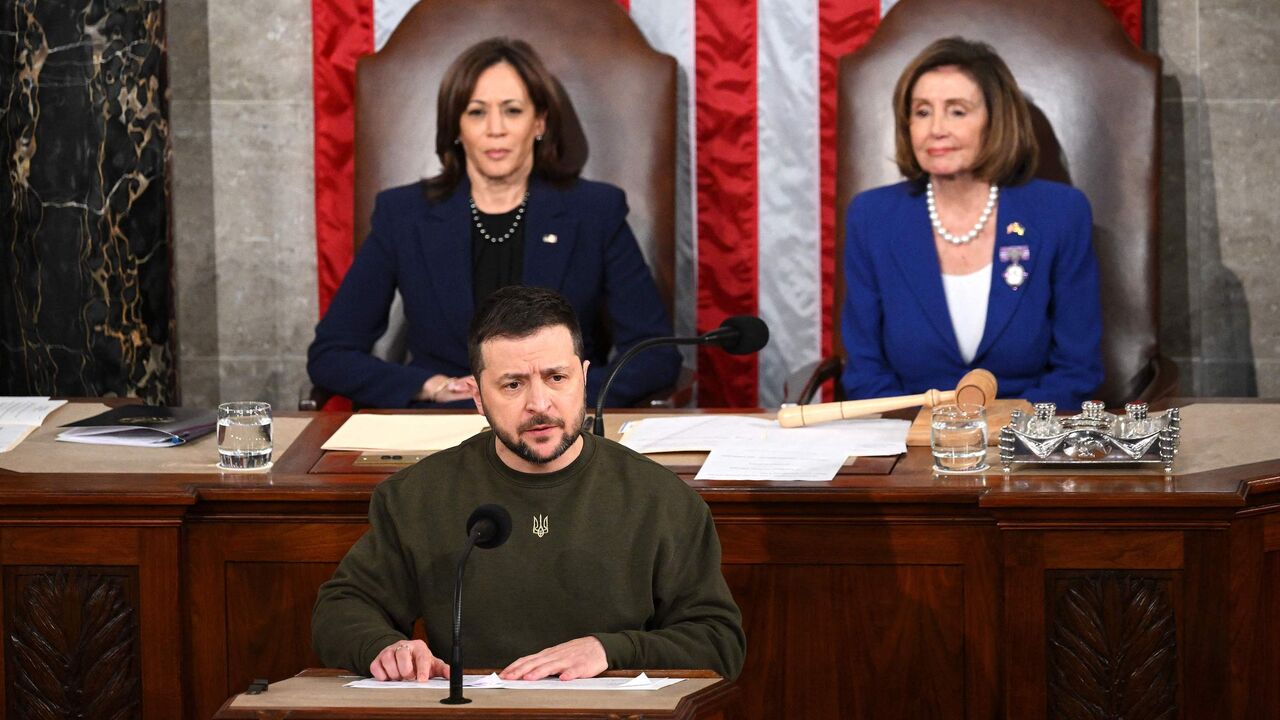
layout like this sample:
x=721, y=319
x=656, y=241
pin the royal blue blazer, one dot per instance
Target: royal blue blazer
x=1042, y=340
x=577, y=242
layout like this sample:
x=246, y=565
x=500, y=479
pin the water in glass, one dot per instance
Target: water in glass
x=959, y=438
x=244, y=436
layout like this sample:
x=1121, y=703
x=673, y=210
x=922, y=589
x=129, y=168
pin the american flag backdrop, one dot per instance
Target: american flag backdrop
x=756, y=160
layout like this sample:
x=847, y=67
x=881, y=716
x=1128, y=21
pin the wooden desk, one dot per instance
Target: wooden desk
x=901, y=595
x=319, y=695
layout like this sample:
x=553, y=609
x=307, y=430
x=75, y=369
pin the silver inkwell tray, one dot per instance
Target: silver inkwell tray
x=1094, y=437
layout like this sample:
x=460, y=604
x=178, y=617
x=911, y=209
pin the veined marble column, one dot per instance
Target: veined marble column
x=85, y=289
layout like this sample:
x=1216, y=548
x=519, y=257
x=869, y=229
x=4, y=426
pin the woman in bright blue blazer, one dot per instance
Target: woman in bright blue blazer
x=508, y=208
x=970, y=263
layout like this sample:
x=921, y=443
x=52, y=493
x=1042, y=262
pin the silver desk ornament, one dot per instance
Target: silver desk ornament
x=1094, y=437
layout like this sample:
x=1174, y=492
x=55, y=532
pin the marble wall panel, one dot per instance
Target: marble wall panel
x=262, y=50
x=194, y=245
x=264, y=217
x=276, y=380
x=1179, y=228
x=1240, y=49
x=1178, y=42
x=1268, y=372
x=1243, y=157
x=201, y=384
x=252, y=379
x=187, y=27
x=87, y=304
x=1234, y=378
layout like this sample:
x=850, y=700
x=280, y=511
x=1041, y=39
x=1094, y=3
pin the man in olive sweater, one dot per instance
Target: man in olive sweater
x=613, y=561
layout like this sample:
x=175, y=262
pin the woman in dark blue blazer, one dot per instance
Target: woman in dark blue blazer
x=969, y=263
x=508, y=208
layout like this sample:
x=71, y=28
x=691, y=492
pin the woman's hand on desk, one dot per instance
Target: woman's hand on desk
x=408, y=660
x=444, y=389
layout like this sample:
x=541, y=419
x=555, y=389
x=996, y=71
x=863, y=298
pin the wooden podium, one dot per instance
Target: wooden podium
x=320, y=694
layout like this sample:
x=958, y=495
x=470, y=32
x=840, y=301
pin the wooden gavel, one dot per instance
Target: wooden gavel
x=977, y=387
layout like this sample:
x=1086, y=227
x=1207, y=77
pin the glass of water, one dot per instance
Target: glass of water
x=244, y=435
x=958, y=436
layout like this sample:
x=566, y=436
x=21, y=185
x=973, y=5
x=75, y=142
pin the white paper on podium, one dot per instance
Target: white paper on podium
x=493, y=682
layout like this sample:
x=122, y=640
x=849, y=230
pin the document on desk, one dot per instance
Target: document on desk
x=692, y=433
x=377, y=432
x=750, y=461
x=19, y=416
x=804, y=454
x=493, y=682
x=752, y=448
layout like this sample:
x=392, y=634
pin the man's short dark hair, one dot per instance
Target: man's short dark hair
x=518, y=311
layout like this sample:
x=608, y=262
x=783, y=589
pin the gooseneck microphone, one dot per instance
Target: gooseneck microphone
x=738, y=335
x=488, y=527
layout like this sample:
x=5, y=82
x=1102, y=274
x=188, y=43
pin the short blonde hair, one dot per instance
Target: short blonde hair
x=1009, y=150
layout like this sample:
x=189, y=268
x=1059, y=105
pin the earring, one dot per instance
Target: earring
x=538, y=138
x=457, y=141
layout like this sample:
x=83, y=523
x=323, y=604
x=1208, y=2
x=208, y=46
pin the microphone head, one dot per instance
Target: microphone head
x=750, y=335
x=492, y=525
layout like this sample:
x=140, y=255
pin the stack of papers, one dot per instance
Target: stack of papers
x=142, y=426
x=750, y=448
x=19, y=416
x=493, y=682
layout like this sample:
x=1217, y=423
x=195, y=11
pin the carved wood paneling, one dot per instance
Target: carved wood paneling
x=1112, y=646
x=71, y=643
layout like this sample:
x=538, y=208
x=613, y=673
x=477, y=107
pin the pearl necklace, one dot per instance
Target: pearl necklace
x=475, y=218
x=977, y=228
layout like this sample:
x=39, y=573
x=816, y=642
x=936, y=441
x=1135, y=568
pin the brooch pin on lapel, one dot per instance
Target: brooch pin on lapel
x=1015, y=228
x=550, y=239
x=1015, y=275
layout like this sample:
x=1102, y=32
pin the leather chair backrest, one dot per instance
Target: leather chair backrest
x=1095, y=101
x=623, y=92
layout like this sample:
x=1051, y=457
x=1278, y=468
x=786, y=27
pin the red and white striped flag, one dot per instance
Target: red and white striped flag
x=757, y=160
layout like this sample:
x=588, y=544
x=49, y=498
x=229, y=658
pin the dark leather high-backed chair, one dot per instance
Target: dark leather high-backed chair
x=1096, y=105
x=623, y=102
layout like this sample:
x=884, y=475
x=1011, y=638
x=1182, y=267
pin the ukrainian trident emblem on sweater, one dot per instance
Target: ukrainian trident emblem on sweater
x=540, y=525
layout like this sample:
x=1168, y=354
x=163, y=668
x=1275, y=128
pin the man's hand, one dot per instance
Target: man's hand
x=408, y=660
x=581, y=658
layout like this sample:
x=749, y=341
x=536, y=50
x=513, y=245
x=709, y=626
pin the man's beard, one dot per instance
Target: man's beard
x=522, y=449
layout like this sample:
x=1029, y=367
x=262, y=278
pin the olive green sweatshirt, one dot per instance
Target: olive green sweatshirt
x=614, y=546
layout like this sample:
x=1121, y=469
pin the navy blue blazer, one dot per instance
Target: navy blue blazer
x=424, y=250
x=1042, y=340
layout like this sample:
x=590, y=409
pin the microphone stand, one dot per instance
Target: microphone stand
x=597, y=426
x=455, y=662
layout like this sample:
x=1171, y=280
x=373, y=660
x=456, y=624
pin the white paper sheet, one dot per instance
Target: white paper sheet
x=858, y=437
x=369, y=431
x=749, y=461
x=27, y=410
x=11, y=435
x=19, y=416
x=493, y=682
x=692, y=433
x=705, y=433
